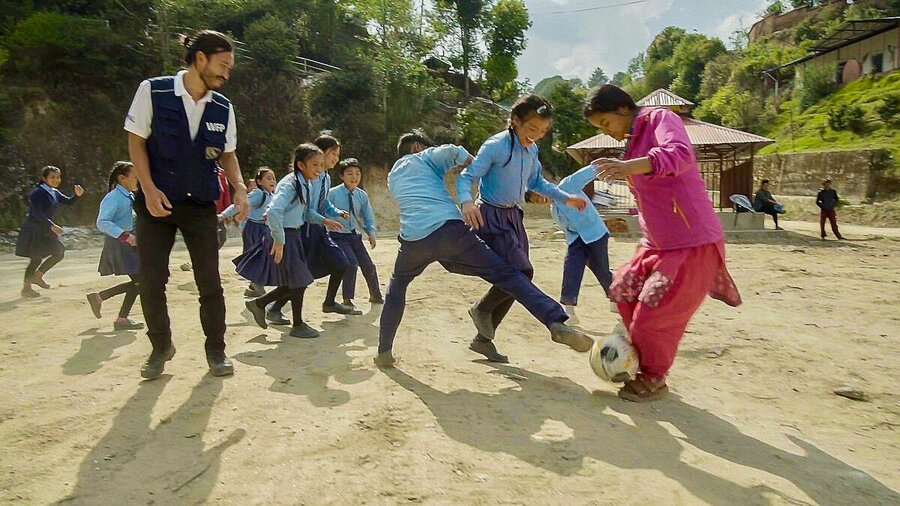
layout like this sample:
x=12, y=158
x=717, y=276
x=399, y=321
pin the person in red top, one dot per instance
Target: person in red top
x=221, y=204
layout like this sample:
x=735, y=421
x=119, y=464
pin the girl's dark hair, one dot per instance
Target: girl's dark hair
x=764, y=181
x=346, y=163
x=404, y=145
x=527, y=106
x=326, y=142
x=120, y=168
x=209, y=42
x=303, y=152
x=262, y=171
x=607, y=98
x=47, y=170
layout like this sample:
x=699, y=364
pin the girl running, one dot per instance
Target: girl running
x=119, y=256
x=505, y=168
x=254, y=228
x=279, y=259
x=39, y=235
x=682, y=256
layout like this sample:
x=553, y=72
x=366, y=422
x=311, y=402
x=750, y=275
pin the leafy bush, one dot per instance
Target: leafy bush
x=847, y=117
x=817, y=83
x=890, y=111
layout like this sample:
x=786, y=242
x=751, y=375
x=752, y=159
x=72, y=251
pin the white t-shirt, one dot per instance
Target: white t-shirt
x=141, y=113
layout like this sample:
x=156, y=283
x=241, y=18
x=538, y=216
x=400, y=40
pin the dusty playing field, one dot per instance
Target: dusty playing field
x=753, y=421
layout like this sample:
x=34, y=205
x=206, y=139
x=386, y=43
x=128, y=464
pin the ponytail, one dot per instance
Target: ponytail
x=120, y=168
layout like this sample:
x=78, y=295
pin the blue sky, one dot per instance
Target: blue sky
x=573, y=44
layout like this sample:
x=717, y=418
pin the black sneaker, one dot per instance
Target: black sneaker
x=304, y=331
x=127, y=324
x=219, y=364
x=254, y=291
x=156, y=362
x=340, y=309
x=486, y=347
x=259, y=313
x=386, y=360
x=96, y=303
x=571, y=337
x=276, y=318
x=483, y=321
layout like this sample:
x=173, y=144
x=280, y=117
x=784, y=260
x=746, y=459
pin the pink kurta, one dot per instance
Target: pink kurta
x=682, y=256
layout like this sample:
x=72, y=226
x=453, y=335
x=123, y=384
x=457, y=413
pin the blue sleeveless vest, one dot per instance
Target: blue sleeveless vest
x=182, y=168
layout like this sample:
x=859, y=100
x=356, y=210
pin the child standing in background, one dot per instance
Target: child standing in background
x=682, y=256
x=355, y=200
x=39, y=236
x=119, y=256
x=587, y=237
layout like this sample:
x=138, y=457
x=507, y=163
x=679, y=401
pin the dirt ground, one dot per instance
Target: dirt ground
x=753, y=418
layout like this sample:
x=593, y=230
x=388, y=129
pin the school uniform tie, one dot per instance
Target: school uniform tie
x=351, y=210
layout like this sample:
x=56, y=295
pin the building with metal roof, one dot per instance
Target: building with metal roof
x=725, y=154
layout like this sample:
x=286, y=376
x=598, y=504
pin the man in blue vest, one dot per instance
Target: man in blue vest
x=179, y=127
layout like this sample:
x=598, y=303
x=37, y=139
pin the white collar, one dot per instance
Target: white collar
x=181, y=91
x=125, y=191
x=47, y=188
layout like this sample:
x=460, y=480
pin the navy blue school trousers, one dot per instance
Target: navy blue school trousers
x=594, y=256
x=456, y=247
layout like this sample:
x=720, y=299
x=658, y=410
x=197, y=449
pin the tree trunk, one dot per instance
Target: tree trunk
x=465, y=49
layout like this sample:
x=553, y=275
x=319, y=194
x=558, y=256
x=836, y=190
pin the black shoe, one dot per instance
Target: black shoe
x=386, y=360
x=127, y=324
x=376, y=300
x=259, y=313
x=483, y=321
x=340, y=309
x=276, y=318
x=486, y=347
x=571, y=337
x=304, y=331
x=254, y=291
x=156, y=362
x=219, y=364
x=96, y=303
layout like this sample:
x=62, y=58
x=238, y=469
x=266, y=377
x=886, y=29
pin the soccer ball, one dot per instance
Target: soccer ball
x=614, y=359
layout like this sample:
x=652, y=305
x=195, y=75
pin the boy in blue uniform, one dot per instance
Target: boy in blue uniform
x=355, y=200
x=587, y=237
x=432, y=230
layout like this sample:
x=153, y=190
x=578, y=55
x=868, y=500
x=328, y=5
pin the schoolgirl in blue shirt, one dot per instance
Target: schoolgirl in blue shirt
x=355, y=200
x=39, y=236
x=587, y=237
x=119, y=256
x=254, y=227
x=325, y=257
x=505, y=167
x=280, y=259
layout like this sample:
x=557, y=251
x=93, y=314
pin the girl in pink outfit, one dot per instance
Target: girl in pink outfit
x=681, y=258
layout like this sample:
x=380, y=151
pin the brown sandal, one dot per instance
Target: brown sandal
x=638, y=391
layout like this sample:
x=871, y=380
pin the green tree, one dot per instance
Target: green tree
x=635, y=68
x=663, y=46
x=816, y=83
x=619, y=79
x=689, y=62
x=505, y=42
x=459, y=24
x=598, y=78
x=569, y=127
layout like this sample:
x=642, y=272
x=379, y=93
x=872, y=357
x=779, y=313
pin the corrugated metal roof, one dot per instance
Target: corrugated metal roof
x=663, y=98
x=701, y=134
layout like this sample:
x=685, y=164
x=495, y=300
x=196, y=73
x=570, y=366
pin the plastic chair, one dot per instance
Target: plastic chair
x=741, y=205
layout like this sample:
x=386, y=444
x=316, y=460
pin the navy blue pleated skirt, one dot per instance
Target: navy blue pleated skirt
x=325, y=256
x=258, y=265
x=253, y=233
x=504, y=232
x=118, y=258
x=36, y=240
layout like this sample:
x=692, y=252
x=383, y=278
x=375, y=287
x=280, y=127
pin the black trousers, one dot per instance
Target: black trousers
x=131, y=291
x=198, y=225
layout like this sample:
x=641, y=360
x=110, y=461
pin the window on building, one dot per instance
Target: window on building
x=878, y=63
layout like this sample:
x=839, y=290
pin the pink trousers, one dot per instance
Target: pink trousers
x=658, y=292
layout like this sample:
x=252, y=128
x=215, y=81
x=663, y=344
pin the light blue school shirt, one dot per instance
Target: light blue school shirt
x=586, y=224
x=289, y=209
x=361, y=211
x=502, y=183
x=417, y=184
x=258, y=200
x=319, y=205
x=115, y=214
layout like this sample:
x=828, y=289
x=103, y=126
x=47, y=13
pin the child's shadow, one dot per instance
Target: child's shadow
x=305, y=366
x=97, y=349
x=513, y=422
